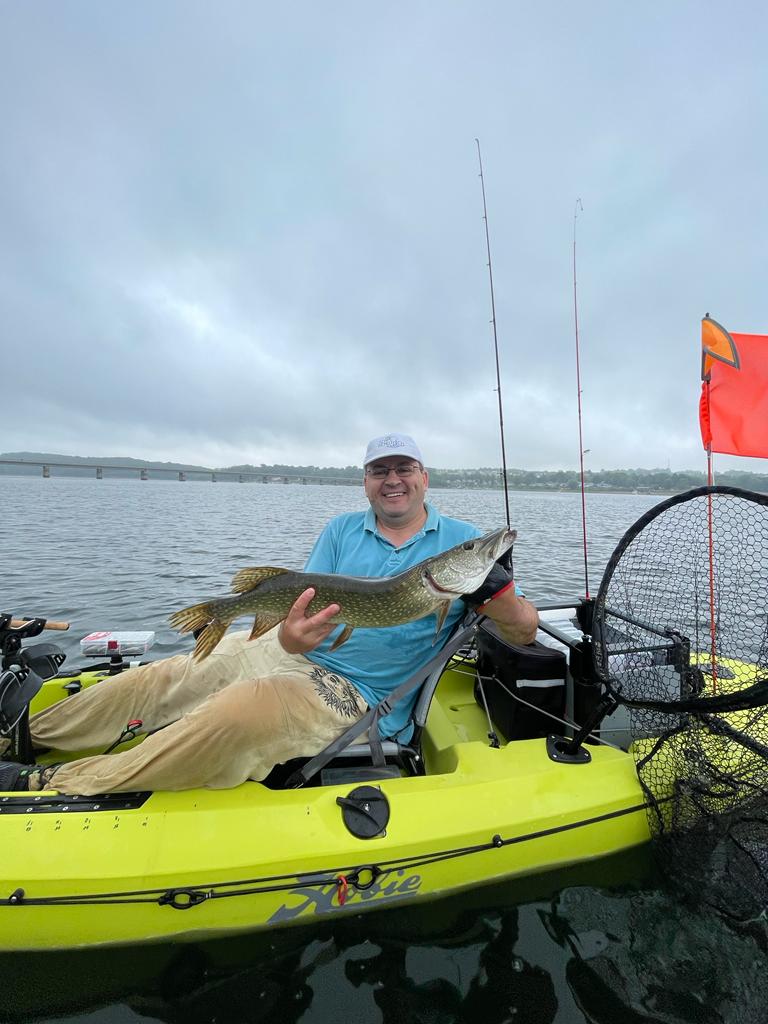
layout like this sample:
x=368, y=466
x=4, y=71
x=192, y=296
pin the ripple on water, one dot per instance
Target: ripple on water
x=125, y=554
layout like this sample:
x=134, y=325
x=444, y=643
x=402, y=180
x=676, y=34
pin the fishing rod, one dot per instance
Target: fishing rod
x=495, y=338
x=578, y=207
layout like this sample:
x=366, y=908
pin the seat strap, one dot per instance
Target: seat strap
x=372, y=716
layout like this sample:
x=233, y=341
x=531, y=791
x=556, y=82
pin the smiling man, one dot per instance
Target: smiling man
x=254, y=704
x=399, y=530
x=395, y=484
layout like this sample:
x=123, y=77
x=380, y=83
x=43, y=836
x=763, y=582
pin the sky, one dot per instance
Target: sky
x=246, y=232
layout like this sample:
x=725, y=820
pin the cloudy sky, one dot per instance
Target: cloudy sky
x=241, y=231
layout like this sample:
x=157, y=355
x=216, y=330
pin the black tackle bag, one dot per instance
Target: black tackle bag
x=520, y=682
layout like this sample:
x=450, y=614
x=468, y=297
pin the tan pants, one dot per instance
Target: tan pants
x=232, y=717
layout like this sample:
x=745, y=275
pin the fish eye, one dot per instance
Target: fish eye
x=468, y=545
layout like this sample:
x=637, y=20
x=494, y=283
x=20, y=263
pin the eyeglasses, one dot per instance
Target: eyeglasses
x=403, y=470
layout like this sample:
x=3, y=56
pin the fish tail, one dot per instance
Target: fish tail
x=197, y=616
x=208, y=639
x=201, y=620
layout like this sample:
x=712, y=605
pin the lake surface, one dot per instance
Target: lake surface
x=612, y=942
x=115, y=554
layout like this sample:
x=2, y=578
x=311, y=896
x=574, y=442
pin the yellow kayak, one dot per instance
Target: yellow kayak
x=128, y=868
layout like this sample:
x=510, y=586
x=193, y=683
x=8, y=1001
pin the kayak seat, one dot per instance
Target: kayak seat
x=359, y=751
x=359, y=762
x=399, y=749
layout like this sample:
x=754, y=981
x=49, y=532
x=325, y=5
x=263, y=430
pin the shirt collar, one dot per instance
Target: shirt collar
x=433, y=518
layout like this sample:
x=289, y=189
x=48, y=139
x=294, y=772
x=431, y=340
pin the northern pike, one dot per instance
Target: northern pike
x=268, y=593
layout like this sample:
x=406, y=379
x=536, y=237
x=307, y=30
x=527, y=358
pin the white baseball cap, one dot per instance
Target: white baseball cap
x=392, y=444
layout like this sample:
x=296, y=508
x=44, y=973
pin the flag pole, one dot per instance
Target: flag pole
x=706, y=379
x=734, y=368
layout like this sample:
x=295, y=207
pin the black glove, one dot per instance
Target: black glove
x=497, y=579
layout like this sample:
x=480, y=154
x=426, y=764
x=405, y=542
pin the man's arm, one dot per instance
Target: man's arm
x=516, y=618
x=324, y=554
x=498, y=598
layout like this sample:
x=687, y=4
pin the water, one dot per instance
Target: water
x=124, y=554
x=603, y=943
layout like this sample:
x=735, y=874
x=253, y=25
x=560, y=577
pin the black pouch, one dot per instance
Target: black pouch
x=533, y=672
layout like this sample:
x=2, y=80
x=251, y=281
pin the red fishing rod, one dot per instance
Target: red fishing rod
x=495, y=338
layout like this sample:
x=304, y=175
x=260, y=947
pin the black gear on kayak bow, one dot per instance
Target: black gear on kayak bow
x=680, y=638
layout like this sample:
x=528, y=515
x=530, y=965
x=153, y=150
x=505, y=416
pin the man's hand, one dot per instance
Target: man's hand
x=299, y=632
x=498, y=579
x=516, y=618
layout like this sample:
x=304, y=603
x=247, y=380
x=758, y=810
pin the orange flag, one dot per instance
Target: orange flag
x=733, y=409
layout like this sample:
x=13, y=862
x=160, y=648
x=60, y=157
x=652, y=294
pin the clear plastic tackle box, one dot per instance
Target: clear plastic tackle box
x=125, y=643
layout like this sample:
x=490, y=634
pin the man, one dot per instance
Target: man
x=252, y=705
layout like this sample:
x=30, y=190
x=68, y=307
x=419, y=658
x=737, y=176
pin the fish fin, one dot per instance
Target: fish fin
x=197, y=616
x=441, y=612
x=207, y=640
x=342, y=638
x=261, y=624
x=249, y=578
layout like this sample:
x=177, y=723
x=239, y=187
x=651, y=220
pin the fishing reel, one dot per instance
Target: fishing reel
x=22, y=673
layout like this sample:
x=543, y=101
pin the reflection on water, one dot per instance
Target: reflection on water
x=485, y=952
x=604, y=943
x=649, y=957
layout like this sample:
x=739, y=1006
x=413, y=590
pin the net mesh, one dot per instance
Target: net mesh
x=681, y=640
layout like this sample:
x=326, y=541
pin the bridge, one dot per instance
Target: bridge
x=201, y=473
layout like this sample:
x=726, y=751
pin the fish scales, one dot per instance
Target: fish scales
x=268, y=593
x=384, y=601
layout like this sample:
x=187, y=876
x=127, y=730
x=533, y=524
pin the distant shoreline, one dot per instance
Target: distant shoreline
x=129, y=477
x=610, y=481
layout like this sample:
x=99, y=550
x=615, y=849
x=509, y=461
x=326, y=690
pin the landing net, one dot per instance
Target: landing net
x=681, y=641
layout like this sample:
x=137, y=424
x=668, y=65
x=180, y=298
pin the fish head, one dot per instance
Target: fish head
x=462, y=569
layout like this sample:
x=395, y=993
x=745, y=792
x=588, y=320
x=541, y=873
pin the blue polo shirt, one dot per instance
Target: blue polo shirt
x=378, y=660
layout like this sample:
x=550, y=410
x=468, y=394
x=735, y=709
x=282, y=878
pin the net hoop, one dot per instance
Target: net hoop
x=680, y=642
x=598, y=627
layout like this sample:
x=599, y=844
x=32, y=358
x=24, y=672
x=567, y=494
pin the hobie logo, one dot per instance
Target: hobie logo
x=324, y=899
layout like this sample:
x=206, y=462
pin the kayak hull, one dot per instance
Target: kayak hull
x=186, y=866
